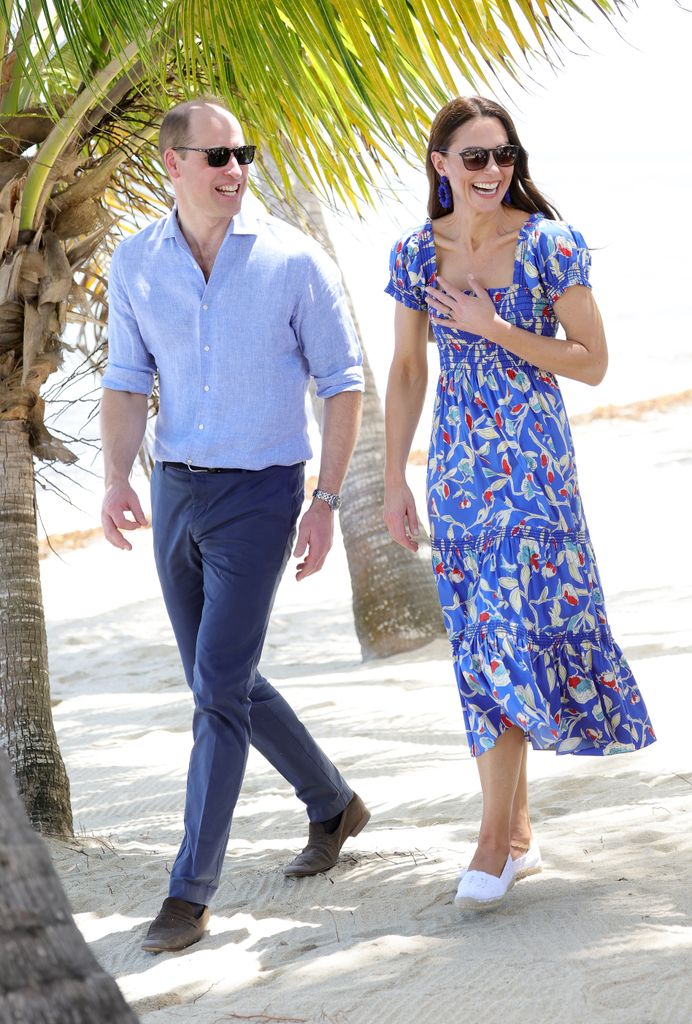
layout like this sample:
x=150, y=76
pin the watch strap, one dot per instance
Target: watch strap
x=333, y=500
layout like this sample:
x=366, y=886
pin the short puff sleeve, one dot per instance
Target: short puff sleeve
x=561, y=258
x=408, y=272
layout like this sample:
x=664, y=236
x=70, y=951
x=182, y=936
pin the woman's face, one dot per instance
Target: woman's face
x=482, y=190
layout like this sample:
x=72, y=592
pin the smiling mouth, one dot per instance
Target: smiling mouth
x=227, y=190
x=486, y=189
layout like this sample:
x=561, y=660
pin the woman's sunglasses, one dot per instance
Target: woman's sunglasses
x=476, y=158
x=218, y=156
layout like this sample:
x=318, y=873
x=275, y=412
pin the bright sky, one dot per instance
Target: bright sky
x=610, y=143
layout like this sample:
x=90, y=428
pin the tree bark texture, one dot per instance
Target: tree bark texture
x=395, y=604
x=26, y=722
x=47, y=973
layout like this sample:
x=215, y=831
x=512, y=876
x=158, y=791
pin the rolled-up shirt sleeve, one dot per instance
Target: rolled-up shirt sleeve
x=131, y=367
x=325, y=330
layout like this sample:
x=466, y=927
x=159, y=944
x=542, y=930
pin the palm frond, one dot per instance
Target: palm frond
x=345, y=82
x=332, y=90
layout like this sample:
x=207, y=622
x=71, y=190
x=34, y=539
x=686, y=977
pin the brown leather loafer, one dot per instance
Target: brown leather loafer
x=176, y=927
x=322, y=851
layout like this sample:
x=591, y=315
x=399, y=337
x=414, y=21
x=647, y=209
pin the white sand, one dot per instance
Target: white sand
x=604, y=934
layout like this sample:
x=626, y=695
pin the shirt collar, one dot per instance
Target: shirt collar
x=245, y=222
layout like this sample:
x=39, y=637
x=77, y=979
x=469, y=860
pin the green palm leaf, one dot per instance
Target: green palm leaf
x=328, y=86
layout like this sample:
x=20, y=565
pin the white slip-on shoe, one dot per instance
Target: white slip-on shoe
x=530, y=863
x=480, y=890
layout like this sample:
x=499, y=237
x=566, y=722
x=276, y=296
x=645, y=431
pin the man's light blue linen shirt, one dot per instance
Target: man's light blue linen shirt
x=234, y=353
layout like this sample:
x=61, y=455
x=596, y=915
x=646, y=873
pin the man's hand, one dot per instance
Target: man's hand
x=315, y=535
x=123, y=422
x=119, y=499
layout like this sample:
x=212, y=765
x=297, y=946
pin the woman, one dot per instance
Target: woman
x=496, y=273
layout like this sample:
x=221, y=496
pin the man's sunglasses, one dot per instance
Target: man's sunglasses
x=218, y=156
x=476, y=158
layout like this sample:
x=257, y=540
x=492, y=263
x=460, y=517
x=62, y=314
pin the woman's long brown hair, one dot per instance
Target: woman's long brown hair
x=523, y=192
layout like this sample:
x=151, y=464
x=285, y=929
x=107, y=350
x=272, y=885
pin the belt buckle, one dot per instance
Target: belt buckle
x=192, y=469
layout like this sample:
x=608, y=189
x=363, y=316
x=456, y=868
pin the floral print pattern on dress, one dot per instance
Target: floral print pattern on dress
x=516, y=573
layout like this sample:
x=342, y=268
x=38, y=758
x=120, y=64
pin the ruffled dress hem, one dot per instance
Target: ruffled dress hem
x=548, y=687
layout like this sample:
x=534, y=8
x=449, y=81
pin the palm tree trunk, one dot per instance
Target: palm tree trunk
x=48, y=974
x=26, y=722
x=395, y=604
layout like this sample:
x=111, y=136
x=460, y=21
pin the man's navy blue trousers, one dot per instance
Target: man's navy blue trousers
x=221, y=543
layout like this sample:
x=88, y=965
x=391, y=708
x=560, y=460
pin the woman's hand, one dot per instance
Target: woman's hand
x=400, y=516
x=475, y=314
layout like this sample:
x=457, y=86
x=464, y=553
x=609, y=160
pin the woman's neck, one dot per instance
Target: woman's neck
x=473, y=230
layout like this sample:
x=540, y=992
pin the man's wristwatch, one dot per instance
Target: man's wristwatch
x=333, y=500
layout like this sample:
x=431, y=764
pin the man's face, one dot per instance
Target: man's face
x=201, y=190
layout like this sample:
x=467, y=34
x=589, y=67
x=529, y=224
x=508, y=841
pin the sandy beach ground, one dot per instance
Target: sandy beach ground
x=604, y=934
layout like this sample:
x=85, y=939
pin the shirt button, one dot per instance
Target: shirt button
x=205, y=306
x=206, y=348
x=206, y=387
x=201, y=426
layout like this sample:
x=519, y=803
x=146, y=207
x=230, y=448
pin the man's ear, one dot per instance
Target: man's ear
x=171, y=161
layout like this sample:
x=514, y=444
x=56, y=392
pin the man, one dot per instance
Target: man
x=234, y=313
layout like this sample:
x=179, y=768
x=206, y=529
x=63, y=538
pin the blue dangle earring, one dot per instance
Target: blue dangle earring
x=507, y=198
x=444, y=192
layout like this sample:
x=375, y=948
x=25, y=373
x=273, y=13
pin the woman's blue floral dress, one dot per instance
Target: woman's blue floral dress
x=516, y=573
